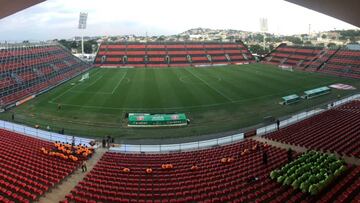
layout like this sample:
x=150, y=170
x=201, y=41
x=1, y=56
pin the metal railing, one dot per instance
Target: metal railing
x=179, y=147
x=187, y=146
x=42, y=134
x=164, y=148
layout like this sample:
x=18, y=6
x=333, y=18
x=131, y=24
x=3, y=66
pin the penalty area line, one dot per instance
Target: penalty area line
x=68, y=90
x=211, y=87
x=117, y=85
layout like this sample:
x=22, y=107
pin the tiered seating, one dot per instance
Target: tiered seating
x=344, y=63
x=213, y=181
x=336, y=130
x=323, y=58
x=217, y=53
x=198, y=54
x=177, y=54
x=237, y=53
x=135, y=54
x=157, y=54
x=29, y=69
x=25, y=172
x=160, y=54
x=295, y=56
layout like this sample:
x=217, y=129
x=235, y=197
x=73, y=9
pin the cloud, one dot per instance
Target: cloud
x=59, y=18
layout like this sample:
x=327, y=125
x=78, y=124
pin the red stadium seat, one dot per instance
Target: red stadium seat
x=25, y=172
x=31, y=69
x=177, y=53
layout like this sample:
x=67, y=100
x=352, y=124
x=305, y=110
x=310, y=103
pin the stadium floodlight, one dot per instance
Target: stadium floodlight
x=264, y=28
x=83, y=20
x=263, y=24
x=82, y=26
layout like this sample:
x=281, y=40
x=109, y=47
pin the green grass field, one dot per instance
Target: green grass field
x=215, y=99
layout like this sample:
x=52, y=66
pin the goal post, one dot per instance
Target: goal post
x=288, y=68
x=84, y=77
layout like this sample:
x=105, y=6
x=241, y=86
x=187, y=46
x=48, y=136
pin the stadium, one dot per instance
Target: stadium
x=180, y=121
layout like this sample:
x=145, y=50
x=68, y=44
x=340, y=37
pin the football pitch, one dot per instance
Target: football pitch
x=214, y=99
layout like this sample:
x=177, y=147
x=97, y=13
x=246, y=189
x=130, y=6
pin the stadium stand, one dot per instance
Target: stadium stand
x=321, y=60
x=336, y=130
x=344, y=63
x=339, y=62
x=231, y=173
x=25, y=172
x=28, y=69
x=165, y=54
x=295, y=56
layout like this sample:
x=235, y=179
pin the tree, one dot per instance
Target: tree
x=87, y=47
x=304, y=35
x=342, y=38
x=308, y=43
x=271, y=47
x=162, y=38
x=324, y=36
x=258, y=49
x=258, y=37
x=90, y=46
x=331, y=44
x=66, y=44
x=294, y=40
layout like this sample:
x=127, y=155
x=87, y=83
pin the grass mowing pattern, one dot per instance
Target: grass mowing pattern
x=215, y=99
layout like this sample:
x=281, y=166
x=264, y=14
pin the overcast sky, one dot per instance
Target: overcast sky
x=59, y=18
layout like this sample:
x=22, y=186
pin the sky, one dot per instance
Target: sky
x=58, y=19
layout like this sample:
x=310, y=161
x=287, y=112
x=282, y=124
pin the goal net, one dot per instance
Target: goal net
x=84, y=77
x=288, y=68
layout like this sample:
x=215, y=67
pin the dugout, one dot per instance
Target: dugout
x=290, y=99
x=316, y=92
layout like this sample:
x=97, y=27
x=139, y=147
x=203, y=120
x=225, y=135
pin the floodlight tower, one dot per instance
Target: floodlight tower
x=264, y=29
x=82, y=26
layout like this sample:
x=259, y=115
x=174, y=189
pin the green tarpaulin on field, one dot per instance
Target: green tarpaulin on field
x=143, y=119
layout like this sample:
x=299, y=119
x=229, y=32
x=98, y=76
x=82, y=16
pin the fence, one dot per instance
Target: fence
x=228, y=139
x=41, y=134
x=178, y=147
x=50, y=136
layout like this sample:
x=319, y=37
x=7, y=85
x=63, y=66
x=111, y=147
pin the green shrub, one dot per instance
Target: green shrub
x=314, y=189
x=274, y=174
x=311, y=172
x=312, y=179
x=280, y=179
x=304, y=187
x=289, y=180
x=296, y=183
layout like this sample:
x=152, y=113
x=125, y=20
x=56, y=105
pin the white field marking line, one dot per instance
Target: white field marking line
x=127, y=80
x=182, y=79
x=89, y=85
x=68, y=90
x=117, y=85
x=206, y=83
x=178, y=108
x=86, y=85
x=94, y=81
x=89, y=92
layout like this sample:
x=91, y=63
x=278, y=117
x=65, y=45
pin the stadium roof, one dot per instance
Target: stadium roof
x=345, y=10
x=9, y=7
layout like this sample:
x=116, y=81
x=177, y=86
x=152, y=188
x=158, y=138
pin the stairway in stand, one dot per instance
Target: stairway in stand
x=58, y=194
